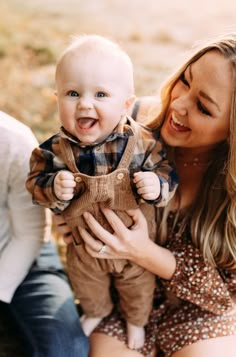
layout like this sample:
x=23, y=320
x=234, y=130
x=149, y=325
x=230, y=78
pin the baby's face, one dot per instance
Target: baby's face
x=93, y=92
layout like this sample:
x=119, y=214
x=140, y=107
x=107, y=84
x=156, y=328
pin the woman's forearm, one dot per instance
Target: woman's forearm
x=158, y=260
x=132, y=244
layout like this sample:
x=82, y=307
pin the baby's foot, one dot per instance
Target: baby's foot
x=89, y=323
x=136, y=336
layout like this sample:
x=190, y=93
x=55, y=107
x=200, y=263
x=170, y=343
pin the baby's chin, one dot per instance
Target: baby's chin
x=91, y=139
x=88, y=140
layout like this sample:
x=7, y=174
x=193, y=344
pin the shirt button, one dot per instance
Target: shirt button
x=78, y=179
x=120, y=176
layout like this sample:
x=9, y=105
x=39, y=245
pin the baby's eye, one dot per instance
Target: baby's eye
x=100, y=94
x=184, y=80
x=72, y=93
x=203, y=109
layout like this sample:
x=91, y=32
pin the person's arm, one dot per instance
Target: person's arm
x=44, y=167
x=181, y=267
x=157, y=174
x=133, y=244
x=23, y=225
x=156, y=162
x=198, y=282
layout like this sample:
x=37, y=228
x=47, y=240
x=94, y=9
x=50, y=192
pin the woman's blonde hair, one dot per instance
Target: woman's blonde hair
x=213, y=215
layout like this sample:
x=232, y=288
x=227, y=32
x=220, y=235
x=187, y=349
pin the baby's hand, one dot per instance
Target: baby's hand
x=64, y=185
x=147, y=184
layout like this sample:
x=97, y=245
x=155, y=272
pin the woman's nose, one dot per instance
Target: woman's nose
x=180, y=105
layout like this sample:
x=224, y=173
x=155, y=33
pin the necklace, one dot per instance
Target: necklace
x=194, y=162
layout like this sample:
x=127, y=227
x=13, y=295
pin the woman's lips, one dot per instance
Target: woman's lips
x=177, y=125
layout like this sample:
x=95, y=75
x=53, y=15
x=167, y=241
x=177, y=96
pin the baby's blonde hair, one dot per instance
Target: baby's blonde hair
x=101, y=45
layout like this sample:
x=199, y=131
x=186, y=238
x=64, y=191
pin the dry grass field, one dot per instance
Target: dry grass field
x=156, y=33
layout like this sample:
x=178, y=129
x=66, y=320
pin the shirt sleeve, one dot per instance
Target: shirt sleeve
x=25, y=226
x=44, y=165
x=157, y=162
x=197, y=281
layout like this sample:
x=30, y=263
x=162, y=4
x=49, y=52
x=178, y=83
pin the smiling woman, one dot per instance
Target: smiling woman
x=200, y=104
x=194, y=256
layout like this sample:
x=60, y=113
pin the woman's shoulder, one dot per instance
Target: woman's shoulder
x=145, y=108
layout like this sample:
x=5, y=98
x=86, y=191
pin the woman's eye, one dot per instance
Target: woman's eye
x=100, y=94
x=73, y=93
x=183, y=79
x=203, y=109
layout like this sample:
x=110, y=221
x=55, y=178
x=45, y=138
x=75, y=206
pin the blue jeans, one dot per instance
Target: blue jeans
x=44, y=308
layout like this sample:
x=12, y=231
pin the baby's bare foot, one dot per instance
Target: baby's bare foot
x=89, y=323
x=136, y=336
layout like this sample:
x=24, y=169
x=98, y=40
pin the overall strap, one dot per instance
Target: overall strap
x=68, y=155
x=129, y=151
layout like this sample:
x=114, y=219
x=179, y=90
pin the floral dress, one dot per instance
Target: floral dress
x=196, y=304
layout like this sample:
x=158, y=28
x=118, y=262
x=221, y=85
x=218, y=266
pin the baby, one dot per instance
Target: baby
x=101, y=156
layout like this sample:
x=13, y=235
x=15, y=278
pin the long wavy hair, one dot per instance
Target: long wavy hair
x=213, y=214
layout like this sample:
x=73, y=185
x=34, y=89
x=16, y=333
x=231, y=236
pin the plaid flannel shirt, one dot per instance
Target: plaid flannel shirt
x=100, y=159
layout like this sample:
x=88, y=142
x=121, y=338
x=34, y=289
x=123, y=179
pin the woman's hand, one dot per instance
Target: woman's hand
x=63, y=228
x=128, y=243
x=124, y=243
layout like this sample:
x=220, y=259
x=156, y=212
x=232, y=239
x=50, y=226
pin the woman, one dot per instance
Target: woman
x=194, y=257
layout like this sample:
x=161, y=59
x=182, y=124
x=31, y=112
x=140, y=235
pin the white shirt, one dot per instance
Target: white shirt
x=23, y=225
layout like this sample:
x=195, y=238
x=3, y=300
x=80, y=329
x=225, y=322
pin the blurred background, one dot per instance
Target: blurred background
x=157, y=34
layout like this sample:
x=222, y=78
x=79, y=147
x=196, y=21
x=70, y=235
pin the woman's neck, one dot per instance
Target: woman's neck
x=191, y=166
x=193, y=158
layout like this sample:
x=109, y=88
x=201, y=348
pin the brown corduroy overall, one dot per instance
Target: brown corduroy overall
x=91, y=277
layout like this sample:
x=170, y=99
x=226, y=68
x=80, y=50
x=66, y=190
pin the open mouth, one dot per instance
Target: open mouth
x=177, y=124
x=86, y=122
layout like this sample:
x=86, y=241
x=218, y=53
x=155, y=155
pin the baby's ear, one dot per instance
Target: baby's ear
x=55, y=93
x=130, y=101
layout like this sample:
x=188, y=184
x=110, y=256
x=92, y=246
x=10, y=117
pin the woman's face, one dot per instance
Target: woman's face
x=199, y=111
